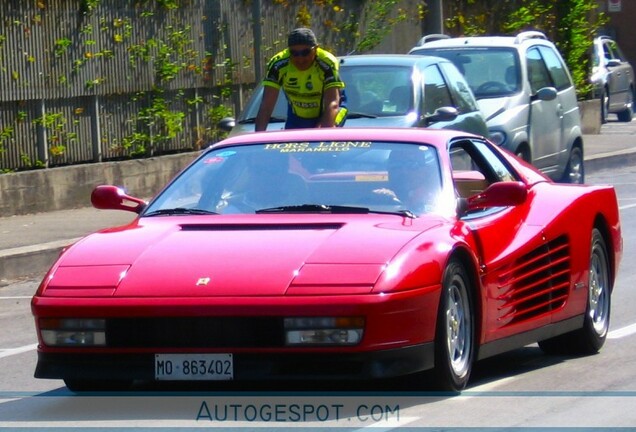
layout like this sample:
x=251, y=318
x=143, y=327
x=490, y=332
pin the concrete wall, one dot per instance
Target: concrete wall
x=70, y=187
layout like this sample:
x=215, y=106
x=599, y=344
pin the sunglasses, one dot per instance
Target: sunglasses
x=301, y=53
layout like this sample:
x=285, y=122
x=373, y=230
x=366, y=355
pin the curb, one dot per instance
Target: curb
x=28, y=261
x=602, y=161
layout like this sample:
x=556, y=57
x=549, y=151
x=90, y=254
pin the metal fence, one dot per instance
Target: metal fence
x=94, y=80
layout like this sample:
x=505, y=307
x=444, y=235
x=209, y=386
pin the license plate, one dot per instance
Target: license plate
x=190, y=367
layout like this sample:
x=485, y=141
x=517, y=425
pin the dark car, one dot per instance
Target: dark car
x=391, y=91
x=613, y=79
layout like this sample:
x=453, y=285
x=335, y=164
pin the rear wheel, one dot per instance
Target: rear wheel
x=628, y=112
x=454, y=339
x=590, y=338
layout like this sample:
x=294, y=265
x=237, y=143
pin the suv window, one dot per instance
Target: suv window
x=436, y=93
x=538, y=75
x=490, y=72
x=556, y=68
x=465, y=102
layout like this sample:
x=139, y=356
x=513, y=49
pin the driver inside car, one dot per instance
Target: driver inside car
x=260, y=183
x=413, y=179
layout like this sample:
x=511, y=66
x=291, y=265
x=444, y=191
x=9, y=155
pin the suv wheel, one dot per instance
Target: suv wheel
x=604, y=105
x=626, y=114
x=574, y=171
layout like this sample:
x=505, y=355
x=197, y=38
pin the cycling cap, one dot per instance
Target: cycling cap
x=302, y=36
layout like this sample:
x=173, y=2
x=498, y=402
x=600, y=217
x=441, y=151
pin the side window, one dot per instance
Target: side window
x=607, y=50
x=537, y=73
x=557, y=69
x=436, y=93
x=616, y=51
x=463, y=96
x=476, y=166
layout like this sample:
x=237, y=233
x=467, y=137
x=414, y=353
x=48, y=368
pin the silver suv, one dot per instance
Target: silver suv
x=525, y=91
x=613, y=80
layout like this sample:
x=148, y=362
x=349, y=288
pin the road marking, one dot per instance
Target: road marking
x=16, y=297
x=622, y=332
x=19, y=350
x=627, y=206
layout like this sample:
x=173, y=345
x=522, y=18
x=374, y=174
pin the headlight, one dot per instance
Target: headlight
x=324, y=330
x=498, y=137
x=73, y=331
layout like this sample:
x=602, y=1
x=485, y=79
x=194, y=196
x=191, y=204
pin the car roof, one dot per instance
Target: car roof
x=487, y=41
x=437, y=137
x=389, y=59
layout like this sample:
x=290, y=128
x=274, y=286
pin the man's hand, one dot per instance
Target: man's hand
x=270, y=96
x=331, y=103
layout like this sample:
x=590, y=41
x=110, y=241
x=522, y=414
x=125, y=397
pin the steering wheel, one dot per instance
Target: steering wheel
x=491, y=87
x=237, y=202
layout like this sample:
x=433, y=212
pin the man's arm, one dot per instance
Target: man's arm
x=331, y=102
x=270, y=95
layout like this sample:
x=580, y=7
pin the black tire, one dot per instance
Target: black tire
x=80, y=386
x=455, y=333
x=604, y=106
x=575, y=169
x=627, y=114
x=523, y=153
x=590, y=338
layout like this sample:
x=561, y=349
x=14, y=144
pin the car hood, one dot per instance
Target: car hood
x=250, y=256
x=493, y=107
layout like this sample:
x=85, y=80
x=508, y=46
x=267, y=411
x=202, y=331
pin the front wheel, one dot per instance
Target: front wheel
x=604, y=105
x=574, y=170
x=455, y=334
x=590, y=338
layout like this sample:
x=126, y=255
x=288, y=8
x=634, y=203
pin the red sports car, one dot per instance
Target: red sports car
x=332, y=253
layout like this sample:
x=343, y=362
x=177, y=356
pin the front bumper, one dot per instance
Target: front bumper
x=360, y=365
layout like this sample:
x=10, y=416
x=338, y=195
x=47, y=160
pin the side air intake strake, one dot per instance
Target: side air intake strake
x=537, y=283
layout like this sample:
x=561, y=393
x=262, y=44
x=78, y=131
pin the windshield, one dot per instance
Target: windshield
x=378, y=91
x=306, y=177
x=490, y=72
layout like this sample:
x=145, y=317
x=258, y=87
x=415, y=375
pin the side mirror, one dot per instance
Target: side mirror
x=108, y=197
x=443, y=114
x=227, y=124
x=546, y=94
x=500, y=194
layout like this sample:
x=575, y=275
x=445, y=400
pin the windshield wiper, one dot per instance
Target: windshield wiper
x=353, y=115
x=271, y=120
x=178, y=211
x=333, y=209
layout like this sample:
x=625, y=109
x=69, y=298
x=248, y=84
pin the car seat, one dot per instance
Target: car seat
x=401, y=98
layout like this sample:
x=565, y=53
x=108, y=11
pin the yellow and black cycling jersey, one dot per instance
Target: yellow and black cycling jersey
x=304, y=89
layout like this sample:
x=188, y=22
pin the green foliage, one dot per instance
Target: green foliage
x=380, y=23
x=58, y=136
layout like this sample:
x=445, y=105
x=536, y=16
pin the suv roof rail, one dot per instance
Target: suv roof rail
x=432, y=38
x=531, y=34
